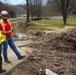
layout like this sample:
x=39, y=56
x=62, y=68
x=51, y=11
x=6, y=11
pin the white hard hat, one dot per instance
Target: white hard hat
x=4, y=13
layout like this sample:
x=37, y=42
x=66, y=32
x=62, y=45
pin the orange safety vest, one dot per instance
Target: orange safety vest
x=2, y=23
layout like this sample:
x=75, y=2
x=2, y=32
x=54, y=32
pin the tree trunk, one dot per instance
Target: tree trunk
x=65, y=20
x=27, y=11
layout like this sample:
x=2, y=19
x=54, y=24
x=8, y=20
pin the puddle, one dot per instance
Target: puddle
x=22, y=35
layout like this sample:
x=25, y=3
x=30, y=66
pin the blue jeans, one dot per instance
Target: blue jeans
x=10, y=42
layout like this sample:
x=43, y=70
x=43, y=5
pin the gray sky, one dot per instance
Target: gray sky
x=15, y=2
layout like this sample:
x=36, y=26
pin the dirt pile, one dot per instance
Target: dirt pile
x=56, y=52
x=64, y=41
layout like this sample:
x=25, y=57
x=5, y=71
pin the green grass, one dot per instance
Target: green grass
x=42, y=25
x=46, y=24
x=57, y=23
x=72, y=20
x=49, y=23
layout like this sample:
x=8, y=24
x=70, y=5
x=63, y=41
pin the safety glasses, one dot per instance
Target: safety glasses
x=5, y=15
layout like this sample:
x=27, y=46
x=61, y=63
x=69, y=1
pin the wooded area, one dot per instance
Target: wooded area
x=37, y=9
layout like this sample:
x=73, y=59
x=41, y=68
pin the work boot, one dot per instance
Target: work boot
x=21, y=57
x=8, y=61
x=2, y=70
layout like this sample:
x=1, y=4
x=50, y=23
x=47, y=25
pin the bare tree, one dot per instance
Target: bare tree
x=35, y=8
x=27, y=1
x=66, y=8
x=31, y=2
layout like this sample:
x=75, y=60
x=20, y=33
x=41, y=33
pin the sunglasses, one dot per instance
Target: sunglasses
x=5, y=15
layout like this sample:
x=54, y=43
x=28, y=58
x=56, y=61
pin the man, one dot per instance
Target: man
x=1, y=70
x=6, y=29
x=1, y=40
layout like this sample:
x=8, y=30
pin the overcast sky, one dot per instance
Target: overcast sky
x=15, y=2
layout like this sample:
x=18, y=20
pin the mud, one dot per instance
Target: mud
x=56, y=51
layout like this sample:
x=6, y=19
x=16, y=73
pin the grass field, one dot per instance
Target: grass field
x=55, y=23
x=46, y=25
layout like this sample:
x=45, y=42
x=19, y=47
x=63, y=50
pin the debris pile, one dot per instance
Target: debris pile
x=56, y=52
